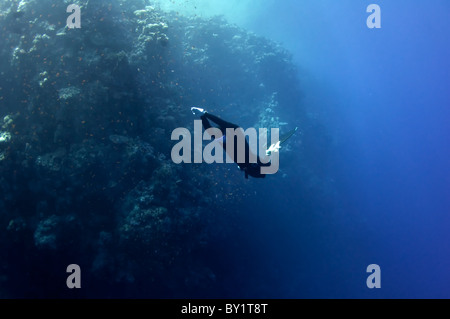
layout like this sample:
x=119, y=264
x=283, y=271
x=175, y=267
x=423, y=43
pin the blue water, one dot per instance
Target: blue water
x=384, y=97
x=366, y=180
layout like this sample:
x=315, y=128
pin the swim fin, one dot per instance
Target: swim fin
x=288, y=135
x=276, y=147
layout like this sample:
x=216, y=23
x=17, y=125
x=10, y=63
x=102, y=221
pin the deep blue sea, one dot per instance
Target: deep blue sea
x=383, y=96
x=88, y=180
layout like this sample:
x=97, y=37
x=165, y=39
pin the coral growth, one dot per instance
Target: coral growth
x=85, y=170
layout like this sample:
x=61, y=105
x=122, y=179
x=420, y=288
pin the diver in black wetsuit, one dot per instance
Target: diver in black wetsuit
x=250, y=169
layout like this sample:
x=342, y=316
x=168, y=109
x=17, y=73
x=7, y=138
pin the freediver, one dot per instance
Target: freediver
x=250, y=168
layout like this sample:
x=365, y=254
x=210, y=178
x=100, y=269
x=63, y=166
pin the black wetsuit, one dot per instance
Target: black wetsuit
x=250, y=169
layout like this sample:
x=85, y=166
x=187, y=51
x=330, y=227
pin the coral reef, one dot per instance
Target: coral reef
x=85, y=170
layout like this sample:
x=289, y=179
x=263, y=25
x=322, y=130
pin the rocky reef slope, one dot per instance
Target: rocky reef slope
x=86, y=117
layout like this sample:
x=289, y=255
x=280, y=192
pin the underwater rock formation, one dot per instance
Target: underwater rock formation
x=85, y=170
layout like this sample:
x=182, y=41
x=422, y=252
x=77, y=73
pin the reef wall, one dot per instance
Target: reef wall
x=86, y=117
